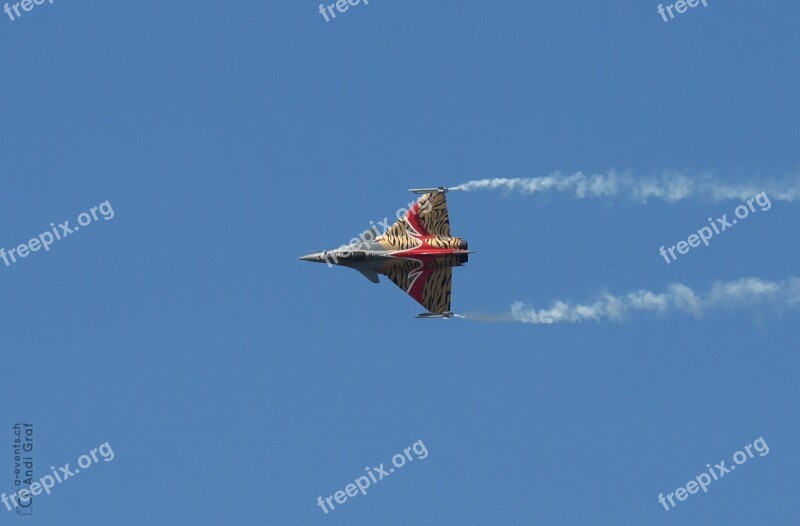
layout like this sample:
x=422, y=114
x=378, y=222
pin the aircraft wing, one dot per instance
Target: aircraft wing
x=433, y=214
x=427, y=217
x=424, y=279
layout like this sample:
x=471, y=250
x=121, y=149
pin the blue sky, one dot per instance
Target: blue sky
x=237, y=384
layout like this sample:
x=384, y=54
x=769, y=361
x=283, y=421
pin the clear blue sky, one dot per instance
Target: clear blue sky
x=236, y=383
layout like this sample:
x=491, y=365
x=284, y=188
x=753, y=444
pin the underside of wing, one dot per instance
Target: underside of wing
x=425, y=280
x=427, y=218
x=432, y=214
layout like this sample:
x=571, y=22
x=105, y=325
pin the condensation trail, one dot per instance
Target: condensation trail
x=670, y=186
x=745, y=293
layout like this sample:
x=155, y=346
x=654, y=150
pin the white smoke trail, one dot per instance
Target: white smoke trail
x=670, y=186
x=740, y=294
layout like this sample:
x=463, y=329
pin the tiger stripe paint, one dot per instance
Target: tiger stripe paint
x=417, y=253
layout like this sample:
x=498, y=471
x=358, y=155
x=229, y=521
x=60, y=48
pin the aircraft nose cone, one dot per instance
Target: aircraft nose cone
x=314, y=256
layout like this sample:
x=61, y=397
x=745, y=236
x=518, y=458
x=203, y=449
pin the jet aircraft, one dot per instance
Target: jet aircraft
x=417, y=253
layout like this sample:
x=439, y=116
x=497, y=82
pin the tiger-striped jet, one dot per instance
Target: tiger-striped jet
x=417, y=253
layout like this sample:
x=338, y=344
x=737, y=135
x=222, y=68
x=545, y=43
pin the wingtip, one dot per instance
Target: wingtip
x=438, y=189
x=443, y=315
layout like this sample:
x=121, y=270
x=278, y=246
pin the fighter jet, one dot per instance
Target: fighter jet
x=417, y=253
